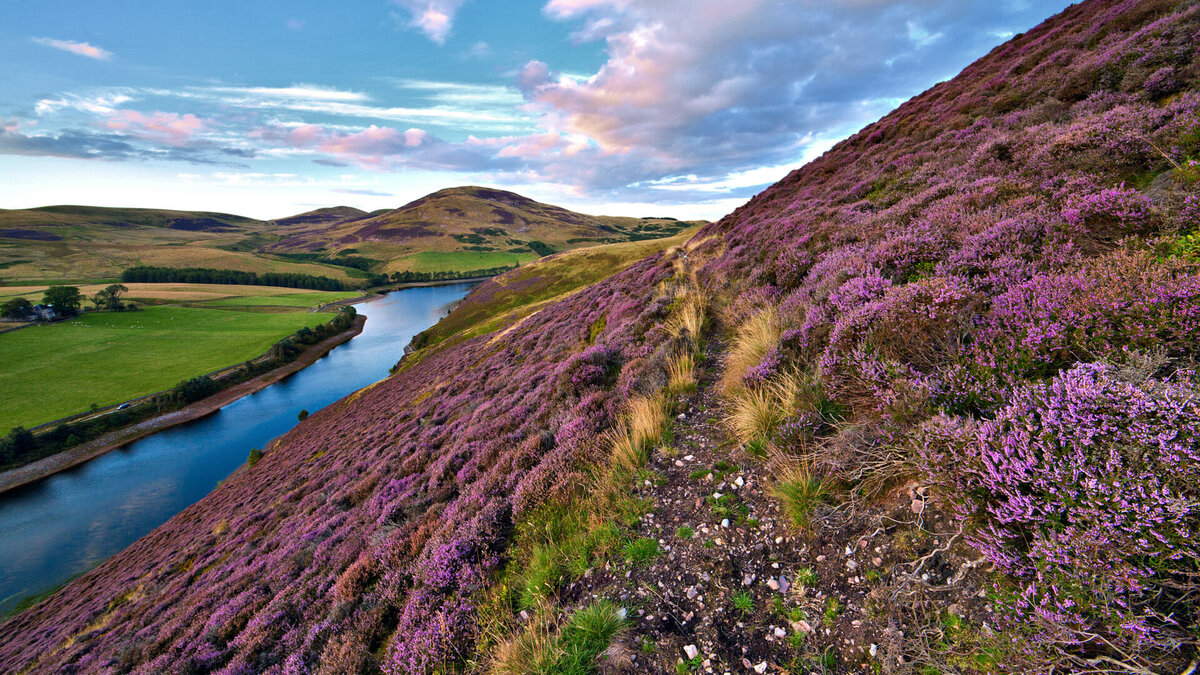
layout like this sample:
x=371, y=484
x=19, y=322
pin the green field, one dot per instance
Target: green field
x=459, y=261
x=55, y=370
x=311, y=299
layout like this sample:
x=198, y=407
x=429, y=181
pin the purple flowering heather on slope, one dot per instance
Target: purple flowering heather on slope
x=950, y=265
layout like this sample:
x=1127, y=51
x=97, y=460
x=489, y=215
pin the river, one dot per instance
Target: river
x=70, y=522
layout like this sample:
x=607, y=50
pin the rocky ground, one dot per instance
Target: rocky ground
x=871, y=586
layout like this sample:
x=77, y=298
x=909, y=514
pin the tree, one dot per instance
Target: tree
x=17, y=308
x=65, y=299
x=110, y=297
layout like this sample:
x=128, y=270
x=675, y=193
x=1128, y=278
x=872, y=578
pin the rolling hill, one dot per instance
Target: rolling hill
x=459, y=229
x=468, y=227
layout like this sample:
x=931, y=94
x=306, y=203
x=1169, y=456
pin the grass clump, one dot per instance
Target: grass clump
x=743, y=601
x=538, y=650
x=643, y=427
x=685, y=532
x=641, y=551
x=753, y=340
x=805, y=576
x=800, y=490
x=756, y=413
x=681, y=374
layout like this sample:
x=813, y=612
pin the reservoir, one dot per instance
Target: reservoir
x=62, y=526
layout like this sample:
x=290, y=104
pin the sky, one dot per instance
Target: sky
x=681, y=108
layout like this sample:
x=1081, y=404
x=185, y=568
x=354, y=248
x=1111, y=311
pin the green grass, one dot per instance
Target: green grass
x=545, y=280
x=61, y=369
x=461, y=261
x=743, y=601
x=572, y=651
x=289, y=300
x=642, y=551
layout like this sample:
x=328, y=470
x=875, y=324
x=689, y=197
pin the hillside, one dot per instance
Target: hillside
x=470, y=228
x=455, y=230
x=927, y=405
x=86, y=243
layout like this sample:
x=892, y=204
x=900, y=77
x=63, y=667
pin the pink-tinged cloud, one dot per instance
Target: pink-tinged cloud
x=80, y=48
x=373, y=147
x=160, y=127
x=536, y=148
x=434, y=18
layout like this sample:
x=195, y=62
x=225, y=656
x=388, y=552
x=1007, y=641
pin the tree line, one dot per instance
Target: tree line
x=207, y=275
x=407, y=277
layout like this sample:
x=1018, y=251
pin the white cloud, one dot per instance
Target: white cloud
x=102, y=104
x=80, y=48
x=296, y=92
x=434, y=18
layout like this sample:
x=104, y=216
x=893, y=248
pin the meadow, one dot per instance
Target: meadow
x=457, y=261
x=56, y=370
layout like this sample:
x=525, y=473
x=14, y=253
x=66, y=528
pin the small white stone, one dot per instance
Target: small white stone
x=688, y=458
x=691, y=652
x=779, y=632
x=761, y=668
x=739, y=482
x=874, y=649
x=725, y=523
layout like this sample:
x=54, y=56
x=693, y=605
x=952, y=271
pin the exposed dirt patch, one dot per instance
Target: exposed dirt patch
x=750, y=592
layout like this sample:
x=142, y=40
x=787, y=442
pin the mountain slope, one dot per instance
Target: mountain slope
x=967, y=329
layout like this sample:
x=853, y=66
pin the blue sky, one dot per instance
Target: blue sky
x=631, y=107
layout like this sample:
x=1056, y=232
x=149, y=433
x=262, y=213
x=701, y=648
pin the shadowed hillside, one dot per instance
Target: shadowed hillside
x=927, y=405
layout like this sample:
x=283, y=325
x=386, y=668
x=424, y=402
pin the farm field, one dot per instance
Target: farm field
x=55, y=370
x=457, y=261
x=202, y=294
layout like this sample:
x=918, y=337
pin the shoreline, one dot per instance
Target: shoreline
x=48, y=466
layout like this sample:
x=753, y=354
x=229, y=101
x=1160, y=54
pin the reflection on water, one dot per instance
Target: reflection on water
x=62, y=526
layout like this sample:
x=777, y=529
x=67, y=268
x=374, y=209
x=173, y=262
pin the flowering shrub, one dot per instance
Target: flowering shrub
x=965, y=254
x=1085, y=491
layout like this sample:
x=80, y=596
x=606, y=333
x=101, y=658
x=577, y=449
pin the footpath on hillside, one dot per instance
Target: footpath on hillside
x=739, y=588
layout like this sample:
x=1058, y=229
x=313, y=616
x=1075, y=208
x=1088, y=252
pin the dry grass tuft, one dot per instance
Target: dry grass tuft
x=691, y=317
x=754, y=338
x=641, y=429
x=530, y=651
x=756, y=413
x=681, y=374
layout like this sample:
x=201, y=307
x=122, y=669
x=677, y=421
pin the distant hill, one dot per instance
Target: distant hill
x=458, y=229
x=326, y=216
x=464, y=227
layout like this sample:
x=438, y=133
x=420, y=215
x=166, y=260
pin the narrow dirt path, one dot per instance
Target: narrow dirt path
x=737, y=588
